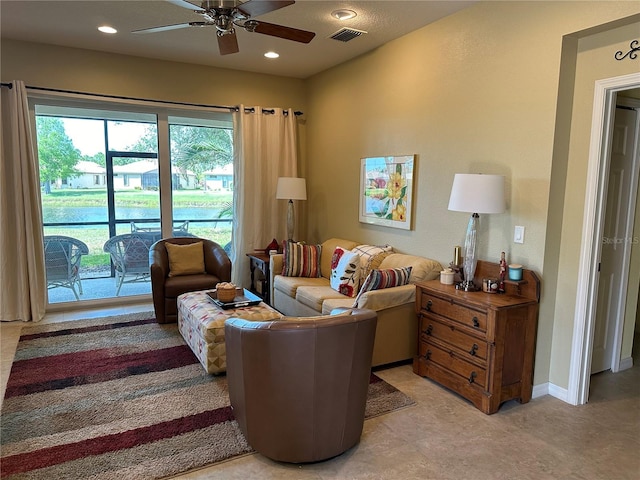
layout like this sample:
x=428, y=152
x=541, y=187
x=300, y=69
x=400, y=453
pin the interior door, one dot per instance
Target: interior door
x=611, y=296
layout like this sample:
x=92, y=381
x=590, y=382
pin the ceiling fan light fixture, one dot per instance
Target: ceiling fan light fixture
x=272, y=55
x=250, y=25
x=343, y=14
x=107, y=29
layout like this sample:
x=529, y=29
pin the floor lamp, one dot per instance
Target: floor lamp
x=291, y=188
x=475, y=194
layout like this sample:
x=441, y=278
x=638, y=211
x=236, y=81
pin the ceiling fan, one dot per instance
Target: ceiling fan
x=226, y=15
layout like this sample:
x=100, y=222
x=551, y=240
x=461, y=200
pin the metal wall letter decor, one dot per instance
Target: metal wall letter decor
x=634, y=47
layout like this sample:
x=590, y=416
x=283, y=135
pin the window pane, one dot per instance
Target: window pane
x=202, y=177
x=136, y=194
x=133, y=136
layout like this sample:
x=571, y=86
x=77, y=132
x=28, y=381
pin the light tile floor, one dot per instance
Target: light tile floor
x=444, y=437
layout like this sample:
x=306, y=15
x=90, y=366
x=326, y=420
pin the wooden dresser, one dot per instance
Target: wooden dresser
x=480, y=345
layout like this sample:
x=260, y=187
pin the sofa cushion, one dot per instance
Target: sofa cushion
x=345, y=272
x=423, y=268
x=313, y=297
x=289, y=285
x=301, y=260
x=328, y=247
x=387, y=298
x=331, y=304
x=370, y=257
x=331, y=313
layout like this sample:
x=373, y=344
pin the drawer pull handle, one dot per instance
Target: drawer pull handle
x=428, y=330
x=473, y=349
x=476, y=322
x=427, y=355
x=472, y=377
x=429, y=303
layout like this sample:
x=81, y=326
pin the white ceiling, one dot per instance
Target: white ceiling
x=74, y=24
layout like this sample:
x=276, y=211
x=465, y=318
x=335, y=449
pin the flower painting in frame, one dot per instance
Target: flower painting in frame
x=386, y=191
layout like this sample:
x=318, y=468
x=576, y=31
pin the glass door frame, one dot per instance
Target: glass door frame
x=162, y=111
x=111, y=201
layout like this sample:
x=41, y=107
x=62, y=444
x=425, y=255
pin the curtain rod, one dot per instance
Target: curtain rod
x=232, y=109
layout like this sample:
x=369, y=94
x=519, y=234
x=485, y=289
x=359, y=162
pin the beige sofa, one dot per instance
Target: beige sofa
x=396, y=334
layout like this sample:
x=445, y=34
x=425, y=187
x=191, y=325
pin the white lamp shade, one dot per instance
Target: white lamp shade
x=291, y=188
x=477, y=193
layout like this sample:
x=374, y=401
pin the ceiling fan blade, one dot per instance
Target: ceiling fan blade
x=253, y=8
x=164, y=28
x=185, y=4
x=228, y=44
x=288, y=33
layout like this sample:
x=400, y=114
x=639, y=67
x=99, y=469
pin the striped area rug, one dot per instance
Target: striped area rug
x=121, y=398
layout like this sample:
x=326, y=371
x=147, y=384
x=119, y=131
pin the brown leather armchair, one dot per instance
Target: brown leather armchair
x=166, y=289
x=298, y=387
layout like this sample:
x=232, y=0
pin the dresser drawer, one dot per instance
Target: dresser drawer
x=470, y=391
x=431, y=327
x=449, y=360
x=475, y=319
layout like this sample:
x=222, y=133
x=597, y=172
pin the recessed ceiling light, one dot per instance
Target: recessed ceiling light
x=272, y=55
x=343, y=14
x=107, y=29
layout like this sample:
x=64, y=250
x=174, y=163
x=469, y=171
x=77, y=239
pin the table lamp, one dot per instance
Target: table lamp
x=291, y=188
x=475, y=194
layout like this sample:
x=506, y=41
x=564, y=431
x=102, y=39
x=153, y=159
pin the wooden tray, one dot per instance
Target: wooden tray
x=243, y=298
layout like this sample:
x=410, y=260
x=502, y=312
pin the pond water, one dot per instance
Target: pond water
x=99, y=214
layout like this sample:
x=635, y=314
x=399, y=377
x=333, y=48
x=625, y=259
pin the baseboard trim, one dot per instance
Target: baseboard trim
x=626, y=363
x=550, y=389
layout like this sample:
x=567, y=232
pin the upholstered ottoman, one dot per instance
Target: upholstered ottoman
x=201, y=324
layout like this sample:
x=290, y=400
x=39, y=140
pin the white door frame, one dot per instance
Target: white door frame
x=587, y=287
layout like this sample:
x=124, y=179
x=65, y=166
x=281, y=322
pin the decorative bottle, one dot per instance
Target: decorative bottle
x=503, y=273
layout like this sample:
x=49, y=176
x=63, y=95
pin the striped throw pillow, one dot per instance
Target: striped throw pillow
x=379, y=279
x=301, y=260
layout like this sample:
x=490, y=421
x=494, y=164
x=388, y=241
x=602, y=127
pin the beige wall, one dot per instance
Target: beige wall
x=474, y=92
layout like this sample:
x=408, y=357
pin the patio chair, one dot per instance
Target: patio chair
x=62, y=257
x=130, y=256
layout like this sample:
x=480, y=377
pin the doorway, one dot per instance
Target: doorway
x=590, y=255
x=614, y=288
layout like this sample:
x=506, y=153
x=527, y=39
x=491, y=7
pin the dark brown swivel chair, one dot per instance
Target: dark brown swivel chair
x=165, y=289
x=298, y=387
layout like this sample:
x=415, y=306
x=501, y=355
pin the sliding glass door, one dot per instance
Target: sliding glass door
x=109, y=191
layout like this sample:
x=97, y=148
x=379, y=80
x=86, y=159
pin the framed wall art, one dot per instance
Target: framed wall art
x=386, y=191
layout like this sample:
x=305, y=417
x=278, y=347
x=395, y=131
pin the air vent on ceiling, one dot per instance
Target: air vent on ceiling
x=346, y=34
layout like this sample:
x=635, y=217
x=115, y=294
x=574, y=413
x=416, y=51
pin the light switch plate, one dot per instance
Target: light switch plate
x=518, y=234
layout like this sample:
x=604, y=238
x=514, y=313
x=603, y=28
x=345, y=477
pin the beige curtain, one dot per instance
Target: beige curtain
x=22, y=277
x=265, y=148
